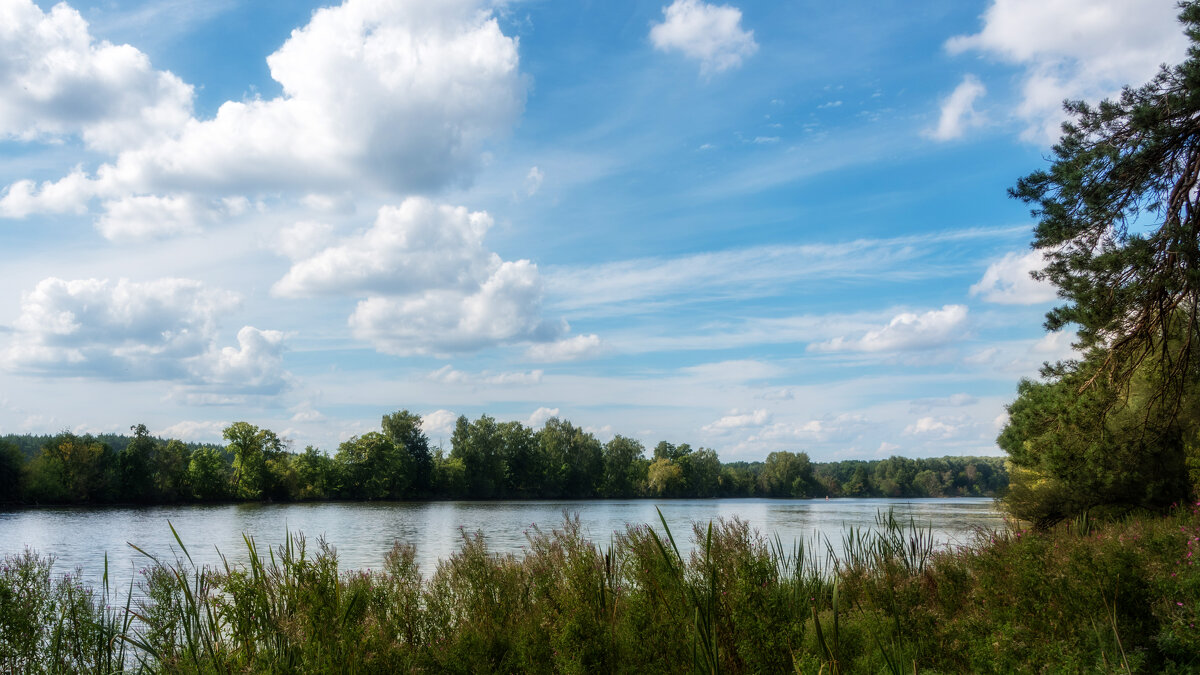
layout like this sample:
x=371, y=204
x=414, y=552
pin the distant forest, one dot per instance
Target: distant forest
x=486, y=460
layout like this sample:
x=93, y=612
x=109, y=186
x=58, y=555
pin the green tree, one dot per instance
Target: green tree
x=572, y=458
x=1075, y=447
x=522, y=471
x=404, y=430
x=622, y=469
x=372, y=467
x=208, y=475
x=252, y=448
x=449, y=476
x=136, y=466
x=704, y=473
x=665, y=478
x=12, y=473
x=316, y=476
x=1119, y=222
x=478, y=445
x=787, y=474
x=169, y=471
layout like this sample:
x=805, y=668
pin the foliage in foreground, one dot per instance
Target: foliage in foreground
x=1123, y=597
x=1119, y=227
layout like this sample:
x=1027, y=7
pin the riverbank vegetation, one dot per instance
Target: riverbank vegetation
x=486, y=460
x=1084, y=597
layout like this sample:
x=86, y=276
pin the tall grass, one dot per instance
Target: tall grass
x=1102, y=597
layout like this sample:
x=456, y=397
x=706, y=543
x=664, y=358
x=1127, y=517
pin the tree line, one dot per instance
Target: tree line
x=487, y=459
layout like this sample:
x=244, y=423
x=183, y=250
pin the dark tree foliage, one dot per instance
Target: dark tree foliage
x=1118, y=220
x=489, y=460
x=12, y=469
x=404, y=430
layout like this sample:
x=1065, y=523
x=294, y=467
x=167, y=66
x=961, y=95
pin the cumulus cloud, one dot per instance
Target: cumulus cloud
x=574, y=348
x=958, y=111
x=430, y=284
x=1071, y=49
x=506, y=308
x=739, y=420
x=539, y=416
x=195, y=431
x=256, y=364
x=56, y=80
x=438, y=422
x=929, y=426
x=157, y=330
x=710, y=34
x=413, y=247
x=148, y=216
x=1008, y=281
x=396, y=96
x=906, y=331
x=69, y=194
x=304, y=239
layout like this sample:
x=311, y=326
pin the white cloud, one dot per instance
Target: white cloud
x=539, y=417
x=1075, y=49
x=647, y=284
x=738, y=420
x=929, y=426
x=157, y=330
x=906, y=331
x=195, y=431
x=533, y=181
x=886, y=448
x=711, y=34
x=448, y=375
x=573, y=348
x=69, y=194
x=958, y=111
x=55, y=81
x=143, y=217
x=1055, y=346
x=414, y=247
x=306, y=413
x=395, y=96
x=438, y=422
x=740, y=370
x=431, y=286
x=304, y=239
x=765, y=140
x=1008, y=282
x=958, y=400
x=505, y=309
x=256, y=364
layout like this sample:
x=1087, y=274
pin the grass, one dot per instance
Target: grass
x=1091, y=596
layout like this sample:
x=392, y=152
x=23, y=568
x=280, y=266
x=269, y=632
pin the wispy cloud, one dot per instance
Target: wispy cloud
x=648, y=284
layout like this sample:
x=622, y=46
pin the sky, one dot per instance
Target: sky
x=751, y=227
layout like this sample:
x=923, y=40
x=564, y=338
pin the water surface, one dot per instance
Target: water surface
x=363, y=532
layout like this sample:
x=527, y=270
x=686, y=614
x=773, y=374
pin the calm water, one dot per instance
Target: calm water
x=363, y=532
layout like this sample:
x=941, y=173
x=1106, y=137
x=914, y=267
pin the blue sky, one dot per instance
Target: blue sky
x=752, y=227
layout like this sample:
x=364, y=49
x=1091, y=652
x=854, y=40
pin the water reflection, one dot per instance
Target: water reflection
x=362, y=533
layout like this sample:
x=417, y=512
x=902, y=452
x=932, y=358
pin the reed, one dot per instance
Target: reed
x=885, y=600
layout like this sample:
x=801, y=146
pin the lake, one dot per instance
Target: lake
x=362, y=532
